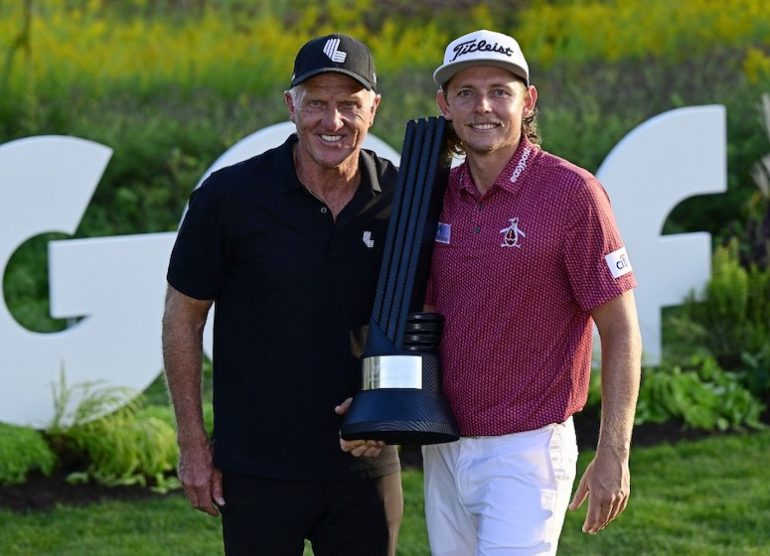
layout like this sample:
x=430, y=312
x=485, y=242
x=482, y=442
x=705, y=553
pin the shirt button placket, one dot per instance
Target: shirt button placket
x=477, y=227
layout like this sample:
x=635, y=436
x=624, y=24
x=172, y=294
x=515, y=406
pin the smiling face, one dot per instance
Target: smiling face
x=333, y=113
x=486, y=106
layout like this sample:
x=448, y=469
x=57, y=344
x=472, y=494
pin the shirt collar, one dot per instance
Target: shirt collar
x=512, y=176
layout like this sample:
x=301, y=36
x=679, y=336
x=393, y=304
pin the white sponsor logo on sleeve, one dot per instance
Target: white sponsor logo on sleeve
x=618, y=262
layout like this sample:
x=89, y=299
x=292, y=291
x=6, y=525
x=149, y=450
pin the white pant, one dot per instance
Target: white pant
x=499, y=495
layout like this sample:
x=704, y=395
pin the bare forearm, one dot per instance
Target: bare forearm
x=183, y=324
x=620, y=388
x=620, y=373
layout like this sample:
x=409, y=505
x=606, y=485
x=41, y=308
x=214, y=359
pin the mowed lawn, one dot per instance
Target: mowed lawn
x=708, y=497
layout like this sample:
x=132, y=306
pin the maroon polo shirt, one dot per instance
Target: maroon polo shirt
x=516, y=273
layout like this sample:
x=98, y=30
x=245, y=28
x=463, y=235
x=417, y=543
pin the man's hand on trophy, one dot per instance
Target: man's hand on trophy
x=358, y=448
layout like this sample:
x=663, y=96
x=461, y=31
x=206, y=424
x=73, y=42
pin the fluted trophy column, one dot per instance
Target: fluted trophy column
x=400, y=400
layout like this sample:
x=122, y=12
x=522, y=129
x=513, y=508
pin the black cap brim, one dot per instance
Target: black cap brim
x=307, y=75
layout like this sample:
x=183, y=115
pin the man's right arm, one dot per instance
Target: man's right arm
x=183, y=322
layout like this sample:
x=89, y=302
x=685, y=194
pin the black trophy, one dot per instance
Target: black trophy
x=400, y=401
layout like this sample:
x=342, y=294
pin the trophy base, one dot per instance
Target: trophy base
x=403, y=416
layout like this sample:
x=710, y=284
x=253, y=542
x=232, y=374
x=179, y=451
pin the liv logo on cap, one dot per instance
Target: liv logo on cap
x=336, y=54
x=331, y=49
x=482, y=48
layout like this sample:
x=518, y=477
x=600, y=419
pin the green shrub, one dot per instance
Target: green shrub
x=130, y=445
x=83, y=403
x=700, y=395
x=23, y=450
x=126, y=449
x=731, y=321
x=755, y=372
x=734, y=309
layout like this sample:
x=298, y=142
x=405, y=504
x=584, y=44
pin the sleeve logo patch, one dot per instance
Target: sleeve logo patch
x=618, y=262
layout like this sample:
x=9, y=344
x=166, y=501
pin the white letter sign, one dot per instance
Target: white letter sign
x=676, y=155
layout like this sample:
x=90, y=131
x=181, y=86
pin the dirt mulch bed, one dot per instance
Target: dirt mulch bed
x=43, y=493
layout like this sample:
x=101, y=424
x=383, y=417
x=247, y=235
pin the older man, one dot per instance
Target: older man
x=287, y=247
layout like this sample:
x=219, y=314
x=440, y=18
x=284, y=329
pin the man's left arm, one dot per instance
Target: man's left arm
x=607, y=479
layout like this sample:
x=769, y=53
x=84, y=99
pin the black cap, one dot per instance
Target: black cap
x=335, y=53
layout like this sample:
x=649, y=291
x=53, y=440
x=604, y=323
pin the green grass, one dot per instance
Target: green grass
x=704, y=498
x=710, y=497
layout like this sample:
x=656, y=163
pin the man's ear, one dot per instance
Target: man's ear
x=530, y=101
x=442, y=104
x=375, y=104
x=290, y=106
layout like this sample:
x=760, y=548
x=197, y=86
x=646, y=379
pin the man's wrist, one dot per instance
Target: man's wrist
x=193, y=440
x=625, y=447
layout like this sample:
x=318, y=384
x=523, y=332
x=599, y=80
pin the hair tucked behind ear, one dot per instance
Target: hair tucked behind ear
x=529, y=127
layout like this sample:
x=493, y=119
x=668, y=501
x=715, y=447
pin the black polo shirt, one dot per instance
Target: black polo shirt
x=291, y=289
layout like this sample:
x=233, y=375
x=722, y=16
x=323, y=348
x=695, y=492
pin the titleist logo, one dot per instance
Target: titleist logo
x=469, y=47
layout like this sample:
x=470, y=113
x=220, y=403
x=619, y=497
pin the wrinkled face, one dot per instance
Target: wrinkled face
x=486, y=106
x=333, y=113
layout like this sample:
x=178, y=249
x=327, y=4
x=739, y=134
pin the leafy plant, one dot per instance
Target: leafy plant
x=84, y=402
x=23, y=450
x=700, y=395
x=755, y=375
x=125, y=449
x=127, y=446
x=734, y=311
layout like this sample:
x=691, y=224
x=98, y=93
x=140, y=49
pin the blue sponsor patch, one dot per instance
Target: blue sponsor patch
x=443, y=233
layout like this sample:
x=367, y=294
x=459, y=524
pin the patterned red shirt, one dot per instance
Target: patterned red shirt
x=515, y=274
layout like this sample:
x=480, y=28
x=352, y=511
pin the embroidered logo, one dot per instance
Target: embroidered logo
x=367, y=239
x=521, y=166
x=331, y=49
x=511, y=234
x=618, y=262
x=469, y=47
x=443, y=233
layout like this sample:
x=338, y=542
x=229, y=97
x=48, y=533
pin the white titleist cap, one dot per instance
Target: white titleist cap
x=482, y=48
